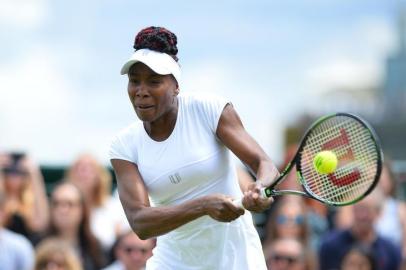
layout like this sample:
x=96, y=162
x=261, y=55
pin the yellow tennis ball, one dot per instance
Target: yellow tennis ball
x=325, y=162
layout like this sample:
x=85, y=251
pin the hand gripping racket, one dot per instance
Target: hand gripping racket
x=359, y=156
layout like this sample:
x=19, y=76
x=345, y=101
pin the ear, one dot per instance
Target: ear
x=176, y=92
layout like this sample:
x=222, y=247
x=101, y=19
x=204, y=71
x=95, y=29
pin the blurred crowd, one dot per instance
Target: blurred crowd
x=80, y=224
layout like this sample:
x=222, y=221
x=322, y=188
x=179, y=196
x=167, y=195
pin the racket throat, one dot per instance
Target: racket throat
x=273, y=193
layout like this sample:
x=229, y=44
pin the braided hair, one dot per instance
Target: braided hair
x=157, y=39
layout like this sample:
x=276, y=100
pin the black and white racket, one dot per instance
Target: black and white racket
x=359, y=161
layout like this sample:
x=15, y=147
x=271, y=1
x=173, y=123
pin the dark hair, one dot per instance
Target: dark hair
x=364, y=251
x=89, y=244
x=157, y=39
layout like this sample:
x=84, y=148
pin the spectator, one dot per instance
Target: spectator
x=16, y=252
x=392, y=221
x=336, y=244
x=288, y=220
x=288, y=254
x=70, y=222
x=56, y=254
x=107, y=217
x=131, y=252
x=359, y=257
x=26, y=202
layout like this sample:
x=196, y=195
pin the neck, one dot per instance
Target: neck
x=364, y=236
x=161, y=129
x=69, y=236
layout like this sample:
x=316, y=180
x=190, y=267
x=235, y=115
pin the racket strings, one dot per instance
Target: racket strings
x=346, y=171
x=341, y=191
x=357, y=153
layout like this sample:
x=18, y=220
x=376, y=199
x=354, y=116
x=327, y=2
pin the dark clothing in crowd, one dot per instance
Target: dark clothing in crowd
x=337, y=243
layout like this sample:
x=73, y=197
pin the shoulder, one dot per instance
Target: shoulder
x=201, y=98
x=204, y=106
x=336, y=237
x=386, y=244
x=16, y=241
x=124, y=144
x=130, y=130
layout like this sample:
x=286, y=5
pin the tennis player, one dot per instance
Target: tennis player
x=176, y=178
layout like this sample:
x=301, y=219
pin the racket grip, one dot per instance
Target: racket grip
x=238, y=202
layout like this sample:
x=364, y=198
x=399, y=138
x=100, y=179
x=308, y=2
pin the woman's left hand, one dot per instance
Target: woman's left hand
x=253, y=201
x=30, y=166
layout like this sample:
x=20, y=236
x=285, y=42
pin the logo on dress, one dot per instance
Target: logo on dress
x=175, y=178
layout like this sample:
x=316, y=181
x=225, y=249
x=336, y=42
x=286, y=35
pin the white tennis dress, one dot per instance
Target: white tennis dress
x=191, y=163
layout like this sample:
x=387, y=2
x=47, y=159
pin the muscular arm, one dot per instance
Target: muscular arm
x=147, y=221
x=232, y=133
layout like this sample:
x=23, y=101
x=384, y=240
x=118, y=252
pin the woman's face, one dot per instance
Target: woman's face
x=84, y=174
x=290, y=221
x=152, y=95
x=66, y=208
x=14, y=182
x=53, y=262
x=356, y=261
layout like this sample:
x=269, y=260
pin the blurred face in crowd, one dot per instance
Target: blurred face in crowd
x=85, y=173
x=290, y=220
x=134, y=252
x=56, y=254
x=385, y=181
x=355, y=260
x=285, y=254
x=366, y=212
x=54, y=262
x=66, y=207
x=14, y=182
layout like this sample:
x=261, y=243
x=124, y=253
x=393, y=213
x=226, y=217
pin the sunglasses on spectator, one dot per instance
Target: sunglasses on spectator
x=64, y=203
x=282, y=219
x=290, y=259
x=130, y=249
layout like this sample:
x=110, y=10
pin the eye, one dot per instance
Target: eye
x=134, y=81
x=155, y=81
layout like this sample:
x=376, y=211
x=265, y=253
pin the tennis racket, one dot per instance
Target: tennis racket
x=359, y=157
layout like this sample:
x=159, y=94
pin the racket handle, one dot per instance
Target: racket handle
x=238, y=202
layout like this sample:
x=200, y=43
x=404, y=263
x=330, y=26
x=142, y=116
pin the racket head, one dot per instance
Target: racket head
x=359, y=155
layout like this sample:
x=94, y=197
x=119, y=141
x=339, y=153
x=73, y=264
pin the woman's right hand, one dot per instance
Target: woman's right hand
x=221, y=208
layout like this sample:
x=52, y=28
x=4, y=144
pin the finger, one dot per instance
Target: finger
x=238, y=211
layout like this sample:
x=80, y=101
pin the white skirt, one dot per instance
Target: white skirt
x=206, y=244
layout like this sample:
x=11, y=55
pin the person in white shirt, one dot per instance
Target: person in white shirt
x=176, y=177
x=16, y=252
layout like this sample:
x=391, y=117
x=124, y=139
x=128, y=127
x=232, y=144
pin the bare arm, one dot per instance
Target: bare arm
x=232, y=133
x=39, y=217
x=147, y=221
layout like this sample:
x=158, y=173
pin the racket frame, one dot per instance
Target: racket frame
x=270, y=191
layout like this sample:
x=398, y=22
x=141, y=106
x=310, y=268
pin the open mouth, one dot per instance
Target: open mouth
x=144, y=107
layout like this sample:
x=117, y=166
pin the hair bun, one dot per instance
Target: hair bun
x=158, y=39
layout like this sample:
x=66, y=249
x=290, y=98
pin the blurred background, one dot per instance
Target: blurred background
x=282, y=64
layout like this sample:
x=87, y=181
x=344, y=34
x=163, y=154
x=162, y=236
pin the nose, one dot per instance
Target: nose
x=141, y=90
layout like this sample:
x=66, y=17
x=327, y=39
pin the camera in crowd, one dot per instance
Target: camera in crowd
x=13, y=165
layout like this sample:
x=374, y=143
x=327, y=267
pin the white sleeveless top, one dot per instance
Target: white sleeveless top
x=191, y=163
x=389, y=224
